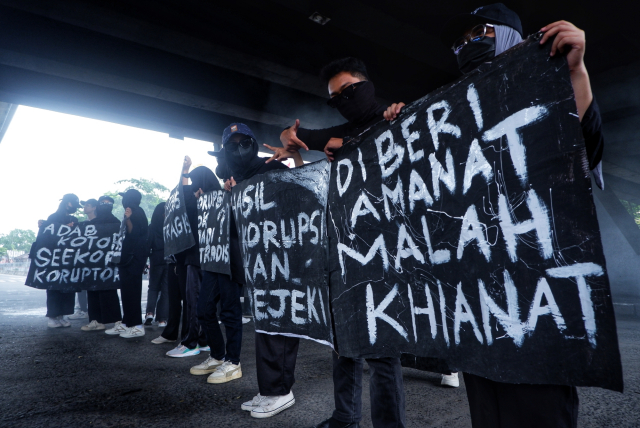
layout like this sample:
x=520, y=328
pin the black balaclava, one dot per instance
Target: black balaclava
x=475, y=53
x=103, y=209
x=203, y=178
x=64, y=204
x=361, y=107
x=131, y=198
x=243, y=163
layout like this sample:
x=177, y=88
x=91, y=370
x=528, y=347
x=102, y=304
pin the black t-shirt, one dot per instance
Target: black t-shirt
x=235, y=255
x=135, y=242
x=105, y=219
x=316, y=139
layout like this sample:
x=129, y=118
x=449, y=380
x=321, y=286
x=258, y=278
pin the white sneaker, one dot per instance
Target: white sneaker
x=53, y=323
x=135, y=331
x=158, y=340
x=246, y=320
x=450, y=380
x=225, y=373
x=162, y=324
x=207, y=366
x=182, y=351
x=63, y=321
x=79, y=315
x=118, y=328
x=271, y=406
x=92, y=326
x=254, y=403
x=204, y=348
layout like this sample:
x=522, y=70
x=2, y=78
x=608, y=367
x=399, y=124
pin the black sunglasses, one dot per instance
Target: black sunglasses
x=346, y=94
x=245, y=144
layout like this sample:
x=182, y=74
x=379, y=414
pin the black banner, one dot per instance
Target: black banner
x=213, y=231
x=176, y=230
x=465, y=230
x=74, y=258
x=280, y=219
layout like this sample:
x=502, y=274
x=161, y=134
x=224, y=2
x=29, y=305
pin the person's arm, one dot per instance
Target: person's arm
x=393, y=111
x=127, y=217
x=294, y=137
x=571, y=39
x=186, y=165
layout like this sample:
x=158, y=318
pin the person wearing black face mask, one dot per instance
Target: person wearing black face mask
x=353, y=95
x=104, y=305
x=275, y=355
x=131, y=266
x=60, y=304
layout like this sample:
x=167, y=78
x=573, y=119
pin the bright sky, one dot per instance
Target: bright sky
x=45, y=154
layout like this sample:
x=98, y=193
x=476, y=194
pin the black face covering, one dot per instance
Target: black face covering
x=243, y=162
x=361, y=105
x=203, y=178
x=70, y=210
x=475, y=53
x=131, y=198
x=102, y=210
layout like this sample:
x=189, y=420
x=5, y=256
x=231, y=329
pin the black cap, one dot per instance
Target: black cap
x=216, y=154
x=496, y=13
x=70, y=197
x=106, y=198
x=91, y=202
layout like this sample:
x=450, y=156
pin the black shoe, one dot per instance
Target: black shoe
x=148, y=321
x=332, y=423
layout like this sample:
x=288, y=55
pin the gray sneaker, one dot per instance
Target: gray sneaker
x=207, y=366
x=79, y=315
x=63, y=321
x=254, y=403
x=118, y=329
x=92, y=326
x=225, y=373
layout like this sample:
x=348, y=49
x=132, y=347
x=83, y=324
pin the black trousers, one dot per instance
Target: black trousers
x=276, y=363
x=158, y=287
x=217, y=287
x=176, y=303
x=505, y=405
x=59, y=303
x=386, y=391
x=104, y=306
x=131, y=291
x=195, y=335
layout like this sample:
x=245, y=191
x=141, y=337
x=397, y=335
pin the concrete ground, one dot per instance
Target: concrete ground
x=69, y=378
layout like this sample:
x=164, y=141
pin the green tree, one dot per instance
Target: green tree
x=18, y=240
x=3, y=252
x=633, y=209
x=152, y=194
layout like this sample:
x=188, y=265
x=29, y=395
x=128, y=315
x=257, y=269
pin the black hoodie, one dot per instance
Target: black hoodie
x=155, y=240
x=134, y=244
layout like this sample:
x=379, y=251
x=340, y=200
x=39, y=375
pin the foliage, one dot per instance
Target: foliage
x=3, y=252
x=152, y=194
x=633, y=209
x=18, y=240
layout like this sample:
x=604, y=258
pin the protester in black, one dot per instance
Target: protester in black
x=60, y=303
x=275, y=355
x=131, y=266
x=223, y=364
x=475, y=38
x=353, y=95
x=190, y=278
x=104, y=305
x=158, y=271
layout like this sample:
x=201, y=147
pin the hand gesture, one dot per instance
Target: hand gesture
x=127, y=213
x=280, y=153
x=229, y=184
x=569, y=39
x=186, y=165
x=333, y=145
x=290, y=140
x=393, y=111
x=40, y=223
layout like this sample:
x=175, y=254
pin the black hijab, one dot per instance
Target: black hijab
x=131, y=198
x=203, y=178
